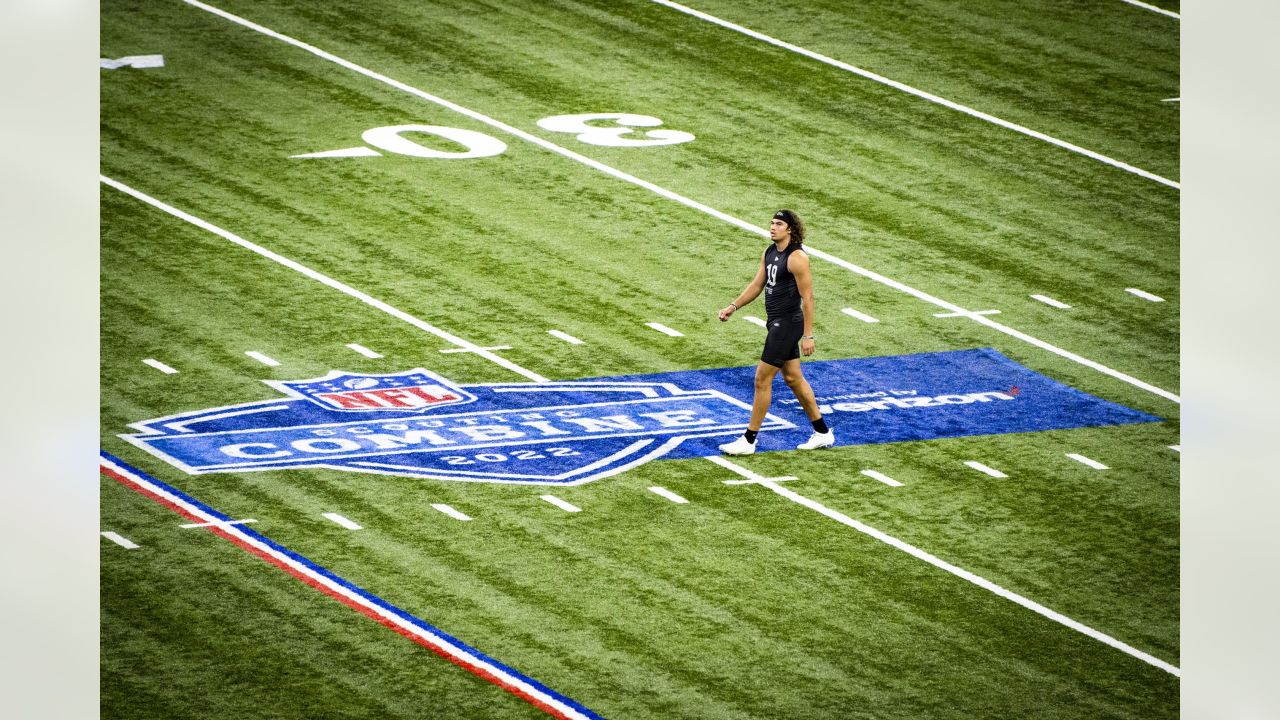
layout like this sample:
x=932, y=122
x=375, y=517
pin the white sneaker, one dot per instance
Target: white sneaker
x=818, y=440
x=738, y=447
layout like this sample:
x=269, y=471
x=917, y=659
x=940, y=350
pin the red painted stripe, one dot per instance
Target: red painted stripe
x=314, y=583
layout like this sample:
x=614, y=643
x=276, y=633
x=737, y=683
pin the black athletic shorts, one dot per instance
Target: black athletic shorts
x=783, y=341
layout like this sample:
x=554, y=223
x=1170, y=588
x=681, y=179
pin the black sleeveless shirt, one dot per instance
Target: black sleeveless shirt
x=781, y=296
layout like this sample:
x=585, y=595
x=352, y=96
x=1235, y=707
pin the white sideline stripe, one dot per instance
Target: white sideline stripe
x=1050, y=301
x=336, y=587
x=1172, y=100
x=450, y=511
x=756, y=320
x=363, y=350
x=1144, y=294
x=160, y=366
x=344, y=522
x=658, y=490
x=985, y=469
x=744, y=472
x=1176, y=448
x=1091, y=463
x=966, y=313
x=687, y=202
x=565, y=337
x=919, y=93
x=1153, y=8
x=262, y=358
x=966, y=575
x=123, y=542
x=217, y=523
x=861, y=316
x=321, y=277
x=565, y=506
x=458, y=350
x=665, y=330
x=882, y=478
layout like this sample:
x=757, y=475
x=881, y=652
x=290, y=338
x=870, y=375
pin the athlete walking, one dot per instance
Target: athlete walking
x=784, y=277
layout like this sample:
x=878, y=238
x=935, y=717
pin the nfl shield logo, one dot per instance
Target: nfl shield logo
x=411, y=391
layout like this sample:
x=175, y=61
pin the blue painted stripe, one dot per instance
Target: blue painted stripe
x=416, y=621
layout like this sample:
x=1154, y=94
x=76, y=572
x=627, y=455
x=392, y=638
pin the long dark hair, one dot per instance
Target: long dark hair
x=794, y=222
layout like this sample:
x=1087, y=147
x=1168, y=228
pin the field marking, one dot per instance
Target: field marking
x=966, y=313
x=961, y=573
x=262, y=358
x=565, y=337
x=744, y=472
x=882, y=478
x=216, y=523
x=664, y=329
x=1087, y=461
x=364, y=350
x=1144, y=294
x=920, y=93
x=755, y=320
x=322, y=278
x=134, y=61
x=123, y=542
x=1050, y=301
x=563, y=505
x=670, y=195
x=461, y=350
x=1176, y=448
x=1177, y=100
x=985, y=469
x=353, y=596
x=861, y=316
x=160, y=366
x=343, y=521
x=663, y=492
x=1153, y=8
x=455, y=514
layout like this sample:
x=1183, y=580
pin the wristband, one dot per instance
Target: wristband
x=735, y=305
x=807, y=337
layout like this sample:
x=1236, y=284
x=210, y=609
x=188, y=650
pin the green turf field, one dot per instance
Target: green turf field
x=739, y=603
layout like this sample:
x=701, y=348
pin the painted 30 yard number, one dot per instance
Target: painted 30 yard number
x=607, y=129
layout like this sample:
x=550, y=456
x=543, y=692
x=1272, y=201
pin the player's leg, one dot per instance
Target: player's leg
x=745, y=444
x=822, y=435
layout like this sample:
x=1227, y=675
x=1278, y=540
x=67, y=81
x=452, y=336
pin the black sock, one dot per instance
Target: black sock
x=819, y=425
x=750, y=435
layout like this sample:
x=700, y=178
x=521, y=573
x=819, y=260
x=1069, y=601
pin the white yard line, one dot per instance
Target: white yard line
x=663, y=492
x=963, y=574
x=364, y=350
x=262, y=358
x=1091, y=463
x=1153, y=8
x=160, y=366
x=123, y=542
x=344, y=522
x=861, y=316
x=1050, y=301
x=224, y=524
x=985, y=469
x=462, y=350
x=1176, y=448
x=665, y=330
x=322, y=278
x=1177, y=100
x=451, y=512
x=882, y=478
x=565, y=337
x=919, y=93
x=755, y=320
x=687, y=202
x=1144, y=294
x=565, y=506
x=966, y=313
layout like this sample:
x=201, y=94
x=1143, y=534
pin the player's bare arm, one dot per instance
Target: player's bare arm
x=749, y=293
x=798, y=264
